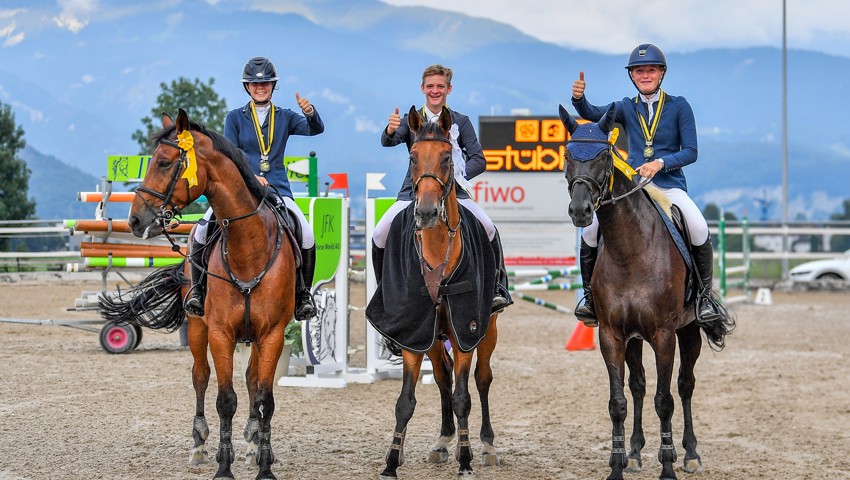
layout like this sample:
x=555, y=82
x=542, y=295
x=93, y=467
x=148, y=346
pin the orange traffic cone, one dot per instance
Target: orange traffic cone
x=581, y=339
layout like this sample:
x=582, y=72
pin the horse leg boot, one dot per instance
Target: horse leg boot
x=195, y=299
x=587, y=258
x=305, y=308
x=707, y=307
x=502, y=299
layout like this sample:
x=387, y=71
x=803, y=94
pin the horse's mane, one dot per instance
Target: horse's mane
x=224, y=146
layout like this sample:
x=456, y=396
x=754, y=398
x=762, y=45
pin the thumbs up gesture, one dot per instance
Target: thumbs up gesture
x=395, y=121
x=578, y=86
x=305, y=104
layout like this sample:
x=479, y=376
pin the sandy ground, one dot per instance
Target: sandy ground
x=773, y=405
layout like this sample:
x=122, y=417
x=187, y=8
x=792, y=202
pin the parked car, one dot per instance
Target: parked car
x=837, y=268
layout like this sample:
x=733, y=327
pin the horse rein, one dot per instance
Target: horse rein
x=606, y=188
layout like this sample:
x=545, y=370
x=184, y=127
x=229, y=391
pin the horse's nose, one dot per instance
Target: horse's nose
x=581, y=213
x=135, y=224
x=425, y=216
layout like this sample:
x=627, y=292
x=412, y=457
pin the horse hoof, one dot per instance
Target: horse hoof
x=385, y=476
x=198, y=457
x=693, y=465
x=634, y=465
x=440, y=455
x=251, y=459
x=466, y=473
x=489, y=459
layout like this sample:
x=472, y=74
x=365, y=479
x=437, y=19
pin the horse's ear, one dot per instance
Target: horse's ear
x=607, y=122
x=445, y=120
x=182, y=120
x=569, y=122
x=414, y=120
x=167, y=121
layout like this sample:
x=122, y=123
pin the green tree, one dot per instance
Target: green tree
x=14, y=173
x=199, y=99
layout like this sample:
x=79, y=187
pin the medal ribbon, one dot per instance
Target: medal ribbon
x=649, y=132
x=264, y=150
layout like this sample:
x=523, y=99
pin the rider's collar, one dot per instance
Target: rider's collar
x=431, y=116
x=650, y=98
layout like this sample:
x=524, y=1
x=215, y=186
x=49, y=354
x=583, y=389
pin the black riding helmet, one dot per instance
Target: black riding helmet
x=258, y=70
x=647, y=54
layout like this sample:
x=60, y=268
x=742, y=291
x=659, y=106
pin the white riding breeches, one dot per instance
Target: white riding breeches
x=382, y=229
x=697, y=226
x=307, y=238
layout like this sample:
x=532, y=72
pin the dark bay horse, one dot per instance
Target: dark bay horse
x=435, y=244
x=638, y=286
x=251, y=279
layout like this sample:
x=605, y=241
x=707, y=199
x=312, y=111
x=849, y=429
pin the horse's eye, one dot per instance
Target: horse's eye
x=163, y=162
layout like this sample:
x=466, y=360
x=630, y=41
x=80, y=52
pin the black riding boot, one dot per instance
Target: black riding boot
x=305, y=308
x=502, y=298
x=587, y=258
x=377, y=262
x=195, y=299
x=707, y=308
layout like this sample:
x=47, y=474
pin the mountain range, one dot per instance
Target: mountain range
x=79, y=93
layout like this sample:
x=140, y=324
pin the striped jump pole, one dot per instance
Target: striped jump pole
x=126, y=262
x=543, y=303
x=543, y=282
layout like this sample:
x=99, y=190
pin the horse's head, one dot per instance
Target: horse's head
x=431, y=167
x=588, y=164
x=174, y=178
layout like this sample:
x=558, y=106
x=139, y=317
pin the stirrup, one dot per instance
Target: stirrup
x=707, y=313
x=193, y=306
x=499, y=305
x=305, y=309
x=586, y=314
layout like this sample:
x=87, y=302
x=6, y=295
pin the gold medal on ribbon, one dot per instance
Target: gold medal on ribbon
x=649, y=132
x=265, y=166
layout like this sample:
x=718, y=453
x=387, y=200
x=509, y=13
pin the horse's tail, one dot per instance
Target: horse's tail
x=155, y=303
x=716, y=330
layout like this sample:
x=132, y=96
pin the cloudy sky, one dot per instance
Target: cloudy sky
x=610, y=26
x=616, y=26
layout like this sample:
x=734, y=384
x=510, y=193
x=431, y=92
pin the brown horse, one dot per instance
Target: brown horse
x=638, y=288
x=436, y=247
x=251, y=279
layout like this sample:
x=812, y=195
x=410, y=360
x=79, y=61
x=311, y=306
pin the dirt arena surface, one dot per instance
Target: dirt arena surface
x=773, y=405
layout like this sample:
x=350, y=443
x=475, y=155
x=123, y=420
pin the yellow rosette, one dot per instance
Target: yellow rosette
x=187, y=143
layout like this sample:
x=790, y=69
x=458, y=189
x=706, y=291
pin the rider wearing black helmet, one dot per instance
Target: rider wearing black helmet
x=261, y=129
x=662, y=140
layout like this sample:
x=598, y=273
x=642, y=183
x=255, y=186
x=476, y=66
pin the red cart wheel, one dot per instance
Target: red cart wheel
x=117, y=338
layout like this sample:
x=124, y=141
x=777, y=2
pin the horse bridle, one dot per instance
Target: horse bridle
x=607, y=185
x=168, y=209
x=445, y=188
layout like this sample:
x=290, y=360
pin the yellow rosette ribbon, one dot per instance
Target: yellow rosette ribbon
x=187, y=143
